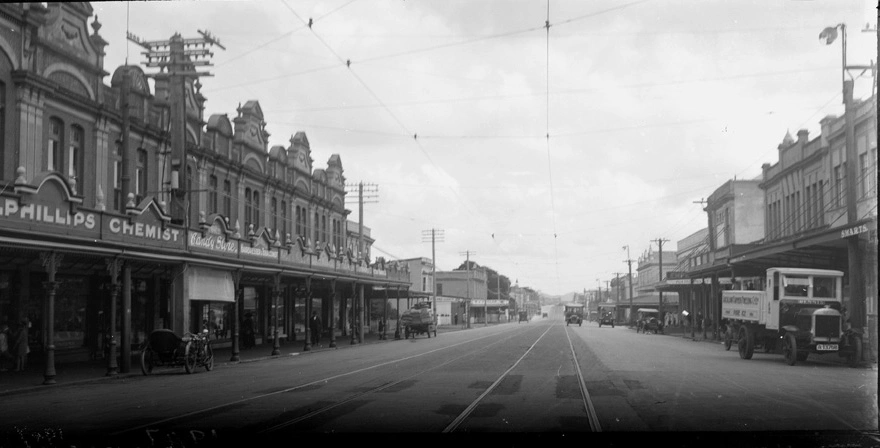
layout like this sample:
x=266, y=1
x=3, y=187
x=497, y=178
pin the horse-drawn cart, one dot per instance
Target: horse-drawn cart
x=419, y=320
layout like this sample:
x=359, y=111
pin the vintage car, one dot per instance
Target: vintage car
x=523, y=316
x=649, y=320
x=574, y=313
x=606, y=318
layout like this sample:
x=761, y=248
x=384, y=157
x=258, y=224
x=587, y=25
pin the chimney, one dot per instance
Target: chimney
x=802, y=136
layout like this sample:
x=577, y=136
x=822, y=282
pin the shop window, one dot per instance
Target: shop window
x=117, y=178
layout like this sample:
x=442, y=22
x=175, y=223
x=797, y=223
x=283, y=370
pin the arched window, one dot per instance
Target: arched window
x=118, y=204
x=54, y=145
x=140, y=177
x=316, y=223
x=227, y=199
x=212, y=194
x=284, y=225
x=298, y=223
x=75, y=156
x=324, y=229
x=274, y=204
x=256, y=204
x=248, y=213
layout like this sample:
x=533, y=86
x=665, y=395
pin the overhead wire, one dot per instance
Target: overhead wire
x=347, y=62
x=282, y=36
x=549, y=158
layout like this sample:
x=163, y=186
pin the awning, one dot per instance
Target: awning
x=209, y=284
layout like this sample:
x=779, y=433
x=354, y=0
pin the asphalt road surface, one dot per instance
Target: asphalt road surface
x=541, y=377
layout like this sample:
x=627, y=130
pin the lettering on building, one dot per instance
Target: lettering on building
x=212, y=243
x=853, y=231
x=46, y=214
x=142, y=230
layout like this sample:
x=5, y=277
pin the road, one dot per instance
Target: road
x=538, y=377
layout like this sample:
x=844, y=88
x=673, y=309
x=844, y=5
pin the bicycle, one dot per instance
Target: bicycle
x=198, y=352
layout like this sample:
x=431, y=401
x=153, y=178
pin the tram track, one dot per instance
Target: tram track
x=453, y=426
x=385, y=386
x=208, y=410
x=585, y=394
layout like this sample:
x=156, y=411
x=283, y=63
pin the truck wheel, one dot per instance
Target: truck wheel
x=746, y=344
x=789, y=349
x=855, y=357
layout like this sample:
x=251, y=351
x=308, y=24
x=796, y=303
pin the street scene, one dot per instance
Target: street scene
x=245, y=222
x=537, y=377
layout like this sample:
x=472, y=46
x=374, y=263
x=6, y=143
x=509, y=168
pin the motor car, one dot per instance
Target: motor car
x=649, y=321
x=574, y=314
x=606, y=318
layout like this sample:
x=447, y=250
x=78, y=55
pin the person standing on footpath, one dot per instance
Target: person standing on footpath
x=315, y=325
x=4, y=347
x=247, y=327
x=381, y=328
x=21, y=347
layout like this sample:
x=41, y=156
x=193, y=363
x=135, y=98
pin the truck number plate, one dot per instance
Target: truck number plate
x=826, y=347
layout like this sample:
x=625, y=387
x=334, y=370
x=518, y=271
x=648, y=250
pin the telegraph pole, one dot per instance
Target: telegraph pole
x=854, y=253
x=617, y=296
x=177, y=60
x=630, y=281
x=372, y=197
x=660, y=242
x=467, y=306
x=435, y=234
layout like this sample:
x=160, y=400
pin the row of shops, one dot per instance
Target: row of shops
x=82, y=280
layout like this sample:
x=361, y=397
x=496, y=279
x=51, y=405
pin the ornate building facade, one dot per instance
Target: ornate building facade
x=103, y=239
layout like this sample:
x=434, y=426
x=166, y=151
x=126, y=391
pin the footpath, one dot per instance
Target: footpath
x=71, y=373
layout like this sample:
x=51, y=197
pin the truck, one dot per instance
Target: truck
x=801, y=307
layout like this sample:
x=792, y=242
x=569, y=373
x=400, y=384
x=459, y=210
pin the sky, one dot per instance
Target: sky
x=542, y=152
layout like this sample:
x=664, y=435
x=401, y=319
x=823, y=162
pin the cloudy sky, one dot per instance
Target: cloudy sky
x=446, y=105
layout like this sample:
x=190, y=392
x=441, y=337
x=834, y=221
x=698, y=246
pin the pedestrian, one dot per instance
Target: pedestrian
x=247, y=331
x=4, y=347
x=21, y=347
x=381, y=328
x=316, y=326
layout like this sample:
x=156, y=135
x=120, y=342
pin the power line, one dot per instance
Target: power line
x=282, y=36
x=557, y=92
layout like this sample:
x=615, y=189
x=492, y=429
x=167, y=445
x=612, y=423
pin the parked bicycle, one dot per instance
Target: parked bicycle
x=164, y=348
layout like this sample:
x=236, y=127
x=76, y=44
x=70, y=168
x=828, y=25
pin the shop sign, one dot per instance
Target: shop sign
x=46, y=214
x=258, y=252
x=481, y=302
x=853, y=231
x=678, y=281
x=213, y=243
x=122, y=226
